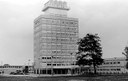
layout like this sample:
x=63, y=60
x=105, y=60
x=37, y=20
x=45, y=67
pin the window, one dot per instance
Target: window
x=107, y=62
x=42, y=57
x=48, y=64
x=48, y=57
x=114, y=62
x=118, y=62
x=54, y=64
x=71, y=22
x=58, y=64
x=118, y=69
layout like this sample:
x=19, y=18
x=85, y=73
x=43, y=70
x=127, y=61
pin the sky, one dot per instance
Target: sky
x=108, y=18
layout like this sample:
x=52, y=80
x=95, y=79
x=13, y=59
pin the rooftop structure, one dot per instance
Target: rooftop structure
x=62, y=5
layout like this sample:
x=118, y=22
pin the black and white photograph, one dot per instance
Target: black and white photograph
x=63, y=40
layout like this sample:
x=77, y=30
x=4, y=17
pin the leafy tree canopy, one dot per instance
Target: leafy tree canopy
x=125, y=52
x=90, y=51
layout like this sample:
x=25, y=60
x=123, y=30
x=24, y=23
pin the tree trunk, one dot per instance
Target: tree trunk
x=94, y=66
x=79, y=70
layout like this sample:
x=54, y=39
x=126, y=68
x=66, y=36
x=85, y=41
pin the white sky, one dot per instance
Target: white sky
x=108, y=18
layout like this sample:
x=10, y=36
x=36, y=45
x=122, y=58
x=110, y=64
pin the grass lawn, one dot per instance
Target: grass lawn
x=98, y=78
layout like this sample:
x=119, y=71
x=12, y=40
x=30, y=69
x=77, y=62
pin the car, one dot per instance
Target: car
x=12, y=73
x=16, y=73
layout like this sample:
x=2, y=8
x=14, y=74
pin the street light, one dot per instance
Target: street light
x=28, y=61
x=28, y=65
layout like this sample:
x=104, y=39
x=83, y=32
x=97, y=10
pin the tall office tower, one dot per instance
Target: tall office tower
x=55, y=38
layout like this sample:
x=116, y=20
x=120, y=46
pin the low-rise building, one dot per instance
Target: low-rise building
x=111, y=66
x=7, y=69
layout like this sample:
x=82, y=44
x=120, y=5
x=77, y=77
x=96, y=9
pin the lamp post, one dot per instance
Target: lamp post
x=28, y=65
x=28, y=61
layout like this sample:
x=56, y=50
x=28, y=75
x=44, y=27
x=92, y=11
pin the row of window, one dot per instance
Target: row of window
x=62, y=29
x=54, y=51
x=58, y=42
x=57, y=51
x=112, y=63
x=63, y=35
x=51, y=57
x=55, y=38
x=38, y=36
x=55, y=47
x=62, y=42
x=58, y=33
x=108, y=69
x=59, y=64
x=61, y=47
x=64, y=49
x=51, y=50
x=58, y=39
x=56, y=22
x=10, y=66
x=67, y=60
x=55, y=57
x=116, y=69
x=55, y=61
x=55, y=29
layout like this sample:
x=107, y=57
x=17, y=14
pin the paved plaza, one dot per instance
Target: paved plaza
x=66, y=78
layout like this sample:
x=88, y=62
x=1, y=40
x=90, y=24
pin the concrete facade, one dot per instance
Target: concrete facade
x=55, y=38
x=115, y=65
x=9, y=69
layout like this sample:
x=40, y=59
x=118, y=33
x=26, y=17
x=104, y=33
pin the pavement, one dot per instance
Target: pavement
x=35, y=75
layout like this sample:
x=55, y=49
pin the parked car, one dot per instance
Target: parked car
x=16, y=73
x=12, y=73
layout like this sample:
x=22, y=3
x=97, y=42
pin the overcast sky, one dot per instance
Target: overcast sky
x=108, y=18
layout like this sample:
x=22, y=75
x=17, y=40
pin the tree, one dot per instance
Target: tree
x=90, y=51
x=126, y=54
x=26, y=70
